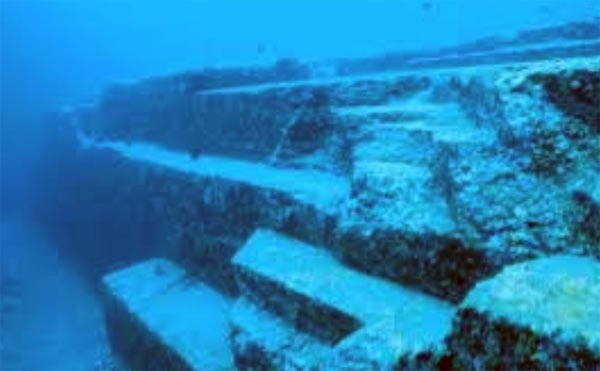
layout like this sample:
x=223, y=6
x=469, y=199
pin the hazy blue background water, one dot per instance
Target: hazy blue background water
x=55, y=52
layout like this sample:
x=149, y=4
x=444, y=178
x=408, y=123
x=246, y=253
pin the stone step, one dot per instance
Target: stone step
x=413, y=241
x=212, y=204
x=158, y=318
x=540, y=314
x=403, y=149
x=317, y=188
x=452, y=131
x=392, y=169
x=311, y=83
x=402, y=221
x=309, y=288
x=399, y=225
x=400, y=194
x=445, y=122
x=261, y=340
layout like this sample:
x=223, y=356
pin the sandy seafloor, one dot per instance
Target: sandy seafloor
x=49, y=319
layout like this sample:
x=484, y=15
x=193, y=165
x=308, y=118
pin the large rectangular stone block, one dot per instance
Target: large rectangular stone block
x=158, y=318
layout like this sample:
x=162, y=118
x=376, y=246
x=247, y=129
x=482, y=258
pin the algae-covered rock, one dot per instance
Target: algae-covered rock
x=540, y=314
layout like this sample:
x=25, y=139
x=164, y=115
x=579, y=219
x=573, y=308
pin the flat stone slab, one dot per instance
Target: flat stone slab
x=317, y=188
x=158, y=318
x=307, y=286
x=543, y=313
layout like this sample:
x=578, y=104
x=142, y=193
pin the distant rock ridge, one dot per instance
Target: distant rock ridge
x=525, y=45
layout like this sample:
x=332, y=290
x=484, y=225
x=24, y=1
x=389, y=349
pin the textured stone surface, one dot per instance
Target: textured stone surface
x=538, y=314
x=320, y=189
x=400, y=221
x=261, y=341
x=211, y=204
x=308, y=288
x=450, y=174
x=523, y=195
x=433, y=178
x=158, y=318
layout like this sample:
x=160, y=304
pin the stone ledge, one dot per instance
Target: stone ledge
x=157, y=318
x=538, y=314
x=308, y=288
x=320, y=189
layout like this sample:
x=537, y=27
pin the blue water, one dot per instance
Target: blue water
x=54, y=53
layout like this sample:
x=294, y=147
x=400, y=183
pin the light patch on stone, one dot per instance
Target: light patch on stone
x=549, y=295
x=322, y=190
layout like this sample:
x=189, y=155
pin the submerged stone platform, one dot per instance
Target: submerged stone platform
x=422, y=216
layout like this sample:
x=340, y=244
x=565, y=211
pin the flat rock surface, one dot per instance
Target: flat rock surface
x=317, y=188
x=315, y=274
x=560, y=293
x=277, y=341
x=188, y=317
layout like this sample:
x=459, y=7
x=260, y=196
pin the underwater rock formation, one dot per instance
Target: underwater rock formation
x=541, y=314
x=340, y=220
